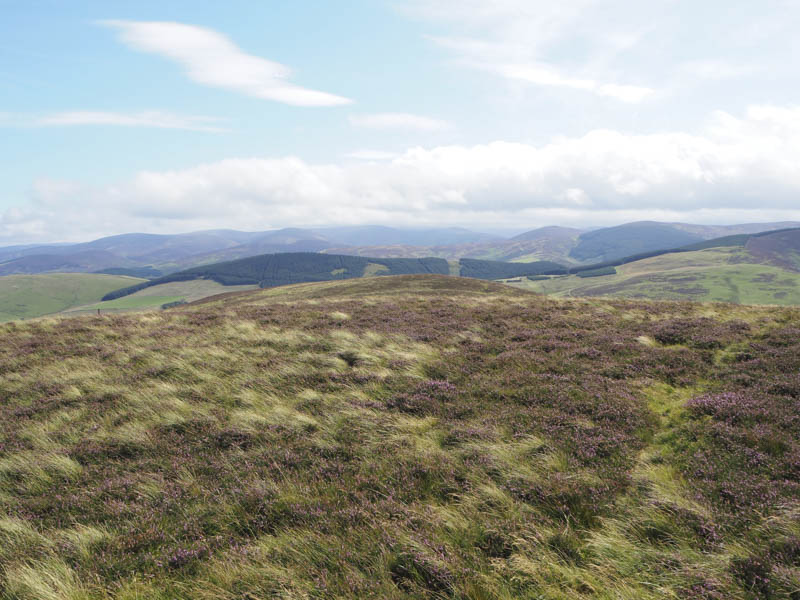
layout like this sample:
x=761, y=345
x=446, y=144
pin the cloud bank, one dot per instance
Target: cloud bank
x=210, y=58
x=602, y=177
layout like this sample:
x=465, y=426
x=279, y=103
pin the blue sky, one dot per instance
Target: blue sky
x=511, y=114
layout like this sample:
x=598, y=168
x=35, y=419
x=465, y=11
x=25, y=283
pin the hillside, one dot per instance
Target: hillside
x=632, y=238
x=86, y=261
x=271, y=270
x=402, y=437
x=28, y=296
x=154, y=298
x=569, y=246
x=720, y=274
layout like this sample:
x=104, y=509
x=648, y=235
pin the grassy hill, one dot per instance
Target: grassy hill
x=402, y=437
x=271, y=270
x=27, y=296
x=747, y=269
x=157, y=296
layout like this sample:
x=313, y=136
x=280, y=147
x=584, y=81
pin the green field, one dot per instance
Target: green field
x=714, y=275
x=28, y=296
x=156, y=296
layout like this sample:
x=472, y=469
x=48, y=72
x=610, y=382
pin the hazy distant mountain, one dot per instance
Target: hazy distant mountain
x=376, y=235
x=552, y=232
x=86, y=261
x=269, y=242
x=714, y=231
x=169, y=253
x=546, y=243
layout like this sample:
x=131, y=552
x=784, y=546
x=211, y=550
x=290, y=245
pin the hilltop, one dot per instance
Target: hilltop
x=417, y=436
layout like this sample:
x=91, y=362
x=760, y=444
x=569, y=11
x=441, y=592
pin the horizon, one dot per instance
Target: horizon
x=499, y=233
x=171, y=119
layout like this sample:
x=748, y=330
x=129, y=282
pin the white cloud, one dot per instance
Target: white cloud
x=373, y=155
x=524, y=40
x=155, y=119
x=548, y=77
x=210, y=58
x=741, y=168
x=401, y=121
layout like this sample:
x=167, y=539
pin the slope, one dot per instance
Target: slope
x=28, y=296
x=721, y=274
x=632, y=238
x=86, y=261
x=408, y=438
x=271, y=270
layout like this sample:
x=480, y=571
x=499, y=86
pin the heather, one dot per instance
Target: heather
x=402, y=437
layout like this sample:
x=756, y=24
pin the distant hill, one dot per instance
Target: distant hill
x=169, y=253
x=551, y=233
x=716, y=231
x=379, y=235
x=632, y=238
x=86, y=261
x=271, y=270
x=761, y=268
x=781, y=248
x=567, y=245
x=172, y=253
x=546, y=243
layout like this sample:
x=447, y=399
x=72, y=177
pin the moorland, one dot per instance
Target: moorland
x=415, y=436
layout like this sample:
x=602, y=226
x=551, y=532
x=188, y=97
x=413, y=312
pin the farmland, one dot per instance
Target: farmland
x=402, y=437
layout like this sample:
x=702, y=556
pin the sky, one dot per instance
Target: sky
x=498, y=115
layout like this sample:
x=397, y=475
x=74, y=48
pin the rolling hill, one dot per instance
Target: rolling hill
x=85, y=261
x=569, y=246
x=545, y=244
x=160, y=296
x=271, y=270
x=749, y=269
x=613, y=243
x=171, y=253
x=405, y=437
x=29, y=296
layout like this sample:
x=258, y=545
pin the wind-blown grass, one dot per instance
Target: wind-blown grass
x=411, y=437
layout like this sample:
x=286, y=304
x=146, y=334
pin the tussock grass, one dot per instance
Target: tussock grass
x=444, y=439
